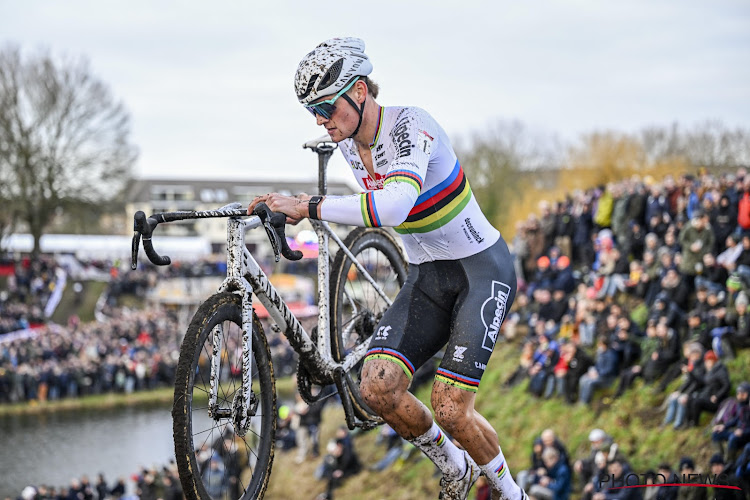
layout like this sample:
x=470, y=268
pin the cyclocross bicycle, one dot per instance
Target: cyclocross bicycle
x=224, y=412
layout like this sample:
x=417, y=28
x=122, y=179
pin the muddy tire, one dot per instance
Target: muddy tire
x=213, y=460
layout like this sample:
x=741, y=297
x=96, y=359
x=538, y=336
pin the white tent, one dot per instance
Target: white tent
x=107, y=247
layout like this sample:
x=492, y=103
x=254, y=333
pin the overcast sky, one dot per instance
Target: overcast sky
x=209, y=84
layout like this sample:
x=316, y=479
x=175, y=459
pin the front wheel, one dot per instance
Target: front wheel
x=218, y=455
x=356, y=305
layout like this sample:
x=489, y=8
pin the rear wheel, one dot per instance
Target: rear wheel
x=356, y=306
x=216, y=457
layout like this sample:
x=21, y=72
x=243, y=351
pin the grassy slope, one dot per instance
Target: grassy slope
x=633, y=421
x=85, y=310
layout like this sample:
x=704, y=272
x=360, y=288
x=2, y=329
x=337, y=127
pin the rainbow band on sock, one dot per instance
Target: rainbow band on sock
x=392, y=356
x=456, y=380
x=439, y=439
x=500, y=471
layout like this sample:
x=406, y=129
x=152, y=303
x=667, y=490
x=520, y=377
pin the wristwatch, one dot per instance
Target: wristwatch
x=312, y=206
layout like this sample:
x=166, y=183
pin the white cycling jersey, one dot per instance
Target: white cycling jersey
x=419, y=189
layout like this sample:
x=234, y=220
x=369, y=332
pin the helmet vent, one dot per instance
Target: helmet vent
x=332, y=74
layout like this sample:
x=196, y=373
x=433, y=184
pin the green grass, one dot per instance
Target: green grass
x=100, y=401
x=67, y=307
x=163, y=396
x=518, y=417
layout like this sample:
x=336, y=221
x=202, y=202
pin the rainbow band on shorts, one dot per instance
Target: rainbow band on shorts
x=456, y=380
x=392, y=356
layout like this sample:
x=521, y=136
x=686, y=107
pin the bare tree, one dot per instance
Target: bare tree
x=64, y=139
x=709, y=144
x=499, y=161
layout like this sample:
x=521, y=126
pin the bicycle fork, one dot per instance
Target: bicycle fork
x=245, y=403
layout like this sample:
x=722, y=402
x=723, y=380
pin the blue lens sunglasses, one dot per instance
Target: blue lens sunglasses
x=326, y=108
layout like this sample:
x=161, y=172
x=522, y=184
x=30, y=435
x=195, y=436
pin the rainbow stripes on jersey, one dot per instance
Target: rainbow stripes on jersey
x=367, y=204
x=377, y=128
x=369, y=212
x=392, y=356
x=500, y=471
x=439, y=205
x=407, y=176
x=456, y=380
x=439, y=439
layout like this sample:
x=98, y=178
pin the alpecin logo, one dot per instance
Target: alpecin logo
x=493, y=313
x=692, y=480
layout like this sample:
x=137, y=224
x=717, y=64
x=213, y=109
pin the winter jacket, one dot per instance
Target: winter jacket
x=715, y=383
x=690, y=258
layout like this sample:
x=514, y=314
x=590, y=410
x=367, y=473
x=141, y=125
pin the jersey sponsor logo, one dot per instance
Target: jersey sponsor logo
x=424, y=141
x=402, y=138
x=458, y=353
x=379, y=155
x=479, y=365
x=382, y=333
x=380, y=146
x=493, y=313
x=373, y=184
x=381, y=162
x=473, y=231
x=356, y=165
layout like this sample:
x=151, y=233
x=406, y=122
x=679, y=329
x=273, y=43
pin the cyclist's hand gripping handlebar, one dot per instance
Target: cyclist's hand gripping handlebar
x=143, y=226
x=275, y=224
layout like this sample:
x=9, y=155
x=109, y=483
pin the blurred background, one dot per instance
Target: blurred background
x=110, y=108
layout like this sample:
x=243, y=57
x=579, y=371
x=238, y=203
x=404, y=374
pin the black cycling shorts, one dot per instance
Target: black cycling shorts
x=458, y=302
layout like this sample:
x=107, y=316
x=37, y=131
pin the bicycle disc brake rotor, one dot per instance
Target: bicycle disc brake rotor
x=242, y=422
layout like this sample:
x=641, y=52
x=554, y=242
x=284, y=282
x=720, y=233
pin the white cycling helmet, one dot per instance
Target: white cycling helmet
x=330, y=67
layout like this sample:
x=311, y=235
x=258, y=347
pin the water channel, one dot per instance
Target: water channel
x=52, y=449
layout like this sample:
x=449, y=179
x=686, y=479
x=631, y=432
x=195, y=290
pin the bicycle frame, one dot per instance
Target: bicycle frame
x=245, y=276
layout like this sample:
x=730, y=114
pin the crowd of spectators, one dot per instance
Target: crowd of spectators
x=29, y=285
x=605, y=473
x=152, y=483
x=640, y=279
x=132, y=350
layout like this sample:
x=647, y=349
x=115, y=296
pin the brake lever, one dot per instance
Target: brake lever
x=274, y=224
x=262, y=211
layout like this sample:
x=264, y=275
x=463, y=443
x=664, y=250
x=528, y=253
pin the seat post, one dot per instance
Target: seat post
x=324, y=152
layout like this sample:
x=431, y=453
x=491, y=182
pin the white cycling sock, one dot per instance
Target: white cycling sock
x=499, y=477
x=441, y=450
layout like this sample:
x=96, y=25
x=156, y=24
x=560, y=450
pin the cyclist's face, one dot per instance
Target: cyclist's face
x=344, y=119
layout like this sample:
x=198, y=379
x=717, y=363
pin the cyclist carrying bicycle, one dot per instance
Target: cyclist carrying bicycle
x=461, y=279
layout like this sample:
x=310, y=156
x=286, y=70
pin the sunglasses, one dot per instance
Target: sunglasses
x=326, y=108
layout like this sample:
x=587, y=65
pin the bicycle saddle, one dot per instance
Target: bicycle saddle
x=314, y=143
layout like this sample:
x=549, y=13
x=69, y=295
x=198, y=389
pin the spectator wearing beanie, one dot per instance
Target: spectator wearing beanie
x=715, y=388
